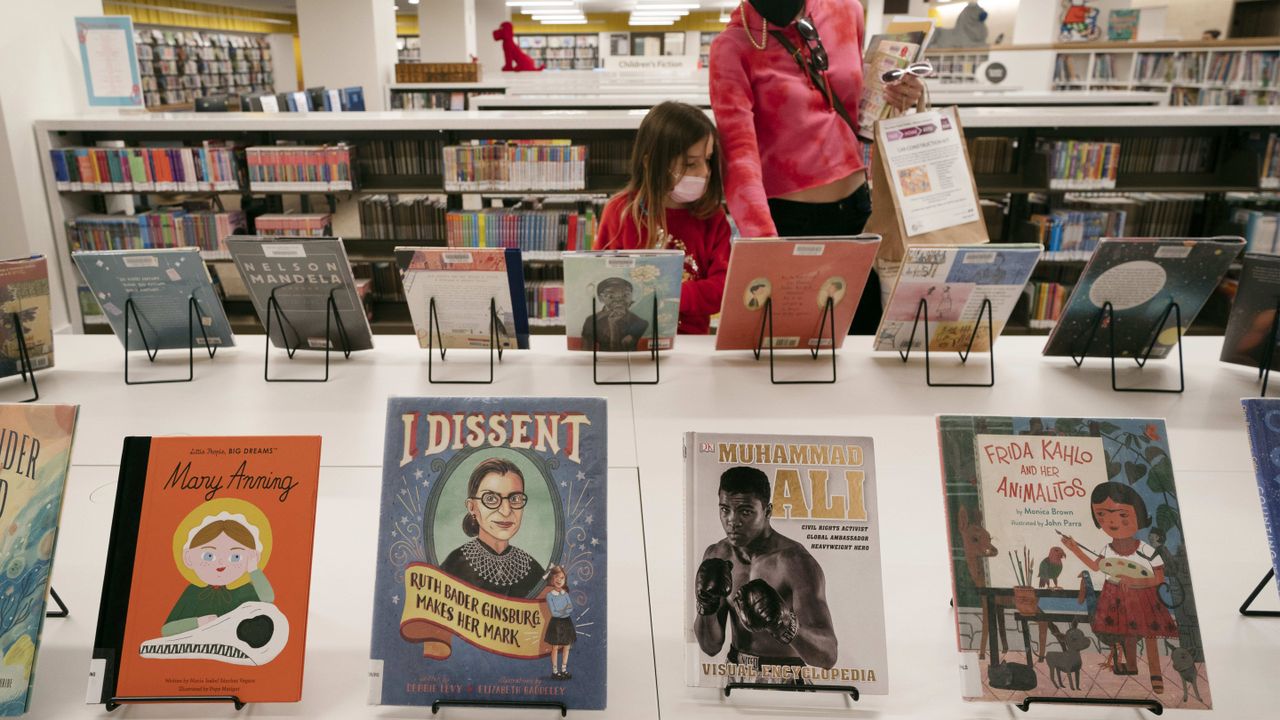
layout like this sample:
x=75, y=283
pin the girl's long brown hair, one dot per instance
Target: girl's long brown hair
x=667, y=132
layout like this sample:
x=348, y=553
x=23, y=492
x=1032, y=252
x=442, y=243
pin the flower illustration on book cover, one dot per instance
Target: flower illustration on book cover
x=226, y=612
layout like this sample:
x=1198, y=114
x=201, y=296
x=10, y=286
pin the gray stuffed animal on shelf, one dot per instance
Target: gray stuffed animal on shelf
x=970, y=30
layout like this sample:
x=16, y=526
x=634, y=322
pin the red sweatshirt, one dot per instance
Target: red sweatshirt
x=706, y=243
x=778, y=131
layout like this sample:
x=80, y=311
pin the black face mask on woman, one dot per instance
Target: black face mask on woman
x=778, y=12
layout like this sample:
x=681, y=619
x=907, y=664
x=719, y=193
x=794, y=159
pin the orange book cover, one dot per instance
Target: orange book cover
x=794, y=277
x=209, y=569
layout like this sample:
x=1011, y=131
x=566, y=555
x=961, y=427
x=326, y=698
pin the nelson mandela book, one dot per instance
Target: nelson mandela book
x=783, y=583
x=492, y=551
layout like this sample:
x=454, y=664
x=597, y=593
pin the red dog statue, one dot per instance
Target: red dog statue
x=517, y=60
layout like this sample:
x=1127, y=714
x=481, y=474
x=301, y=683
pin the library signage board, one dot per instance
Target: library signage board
x=109, y=61
x=672, y=64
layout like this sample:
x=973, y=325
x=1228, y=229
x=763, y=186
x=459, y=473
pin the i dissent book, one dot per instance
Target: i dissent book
x=1253, y=314
x=1140, y=277
x=1262, y=415
x=24, y=295
x=624, y=285
x=953, y=282
x=161, y=284
x=302, y=274
x=35, y=454
x=782, y=579
x=1069, y=561
x=492, y=553
x=795, y=277
x=464, y=283
x=208, y=569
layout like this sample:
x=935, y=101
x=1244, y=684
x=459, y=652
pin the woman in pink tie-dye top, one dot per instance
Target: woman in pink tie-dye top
x=793, y=166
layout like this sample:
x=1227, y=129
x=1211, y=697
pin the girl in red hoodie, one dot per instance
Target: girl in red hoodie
x=673, y=201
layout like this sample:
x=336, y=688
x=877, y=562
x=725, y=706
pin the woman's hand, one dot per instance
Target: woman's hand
x=904, y=92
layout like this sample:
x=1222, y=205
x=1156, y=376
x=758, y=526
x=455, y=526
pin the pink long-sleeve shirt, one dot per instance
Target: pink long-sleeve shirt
x=778, y=132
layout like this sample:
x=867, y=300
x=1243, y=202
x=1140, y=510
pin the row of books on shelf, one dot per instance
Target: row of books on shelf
x=180, y=67
x=1202, y=97
x=403, y=217
x=1270, y=178
x=294, y=224
x=515, y=165
x=211, y=166
x=158, y=229
x=202, y=42
x=993, y=155
x=1083, y=165
x=529, y=230
x=1182, y=154
x=434, y=99
x=1044, y=303
x=288, y=168
x=403, y=157
x=1260, y=228
x=1071, y=232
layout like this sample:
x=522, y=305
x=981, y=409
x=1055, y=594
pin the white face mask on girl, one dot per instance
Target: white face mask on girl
x=688, y=189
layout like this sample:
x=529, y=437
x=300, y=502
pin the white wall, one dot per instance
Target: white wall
x=442, y=27
x=347, y=43
x=284, y=68
x=489, y=15
x=41, y=78
x=1187, y=19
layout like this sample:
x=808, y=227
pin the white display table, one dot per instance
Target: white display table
x=877, y=395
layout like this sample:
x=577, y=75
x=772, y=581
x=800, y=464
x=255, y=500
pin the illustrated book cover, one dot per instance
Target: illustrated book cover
x=884, y=53
x=161, y=284
x=302, y=274
x=782, y=573
x=1069, y=562
x=624, y=285
x=1253, y=313
x=1262, y=415
x=794, y=277
x=24, y=295
x=35, y=455
x=1140, y=277
x=492, y=553
x=953, y=282
x=464, y=284
x=208, y=569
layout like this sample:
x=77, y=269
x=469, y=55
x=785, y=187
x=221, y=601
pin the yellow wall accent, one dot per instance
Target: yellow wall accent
x=210, y=17
x=407, y=24
x=617, y=22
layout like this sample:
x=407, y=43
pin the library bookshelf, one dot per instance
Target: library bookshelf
x=1010, y=145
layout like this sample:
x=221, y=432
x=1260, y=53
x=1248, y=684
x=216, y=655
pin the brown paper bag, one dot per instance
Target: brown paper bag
x=886, y=216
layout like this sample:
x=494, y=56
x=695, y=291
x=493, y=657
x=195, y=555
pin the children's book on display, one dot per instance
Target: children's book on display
x=1253, y=313
x=464, y=284
x=783, y=578
x=796, y=278
x=1140, y=277
x=302, y=274
x=624, y=285
x=24, y=295
x=492, y=553
x=953, y=281
x=208, y=569
x=35, y=456
x=1262, y=415
x=160, y=284
x=1069, y=561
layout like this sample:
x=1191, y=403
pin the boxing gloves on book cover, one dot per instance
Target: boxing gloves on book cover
x=778, y=528
x=492, y=553
x=208, y=569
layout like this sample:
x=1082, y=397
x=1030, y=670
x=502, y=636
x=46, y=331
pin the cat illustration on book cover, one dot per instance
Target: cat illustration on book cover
x=227, y=612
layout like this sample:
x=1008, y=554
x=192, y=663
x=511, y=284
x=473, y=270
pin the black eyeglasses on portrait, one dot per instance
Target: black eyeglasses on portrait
x=817, y=53
x=919, y=69
x=493, y=500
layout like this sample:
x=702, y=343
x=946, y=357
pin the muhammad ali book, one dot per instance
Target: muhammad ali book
x=624, y=286
x=492, y=553
x=1262, y=415
x=464, y=283
x=783, y=580
x=1140, y=277
x=24, y=292
x=302, y=274
x=208, y=569
x=160, y=284
x=794, y=278
x=954, y=282
x=1253, y=313
x=35, y=454
x=1069, y=561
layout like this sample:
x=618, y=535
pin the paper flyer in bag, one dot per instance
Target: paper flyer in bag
x=783, y=578
x=928, y=171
